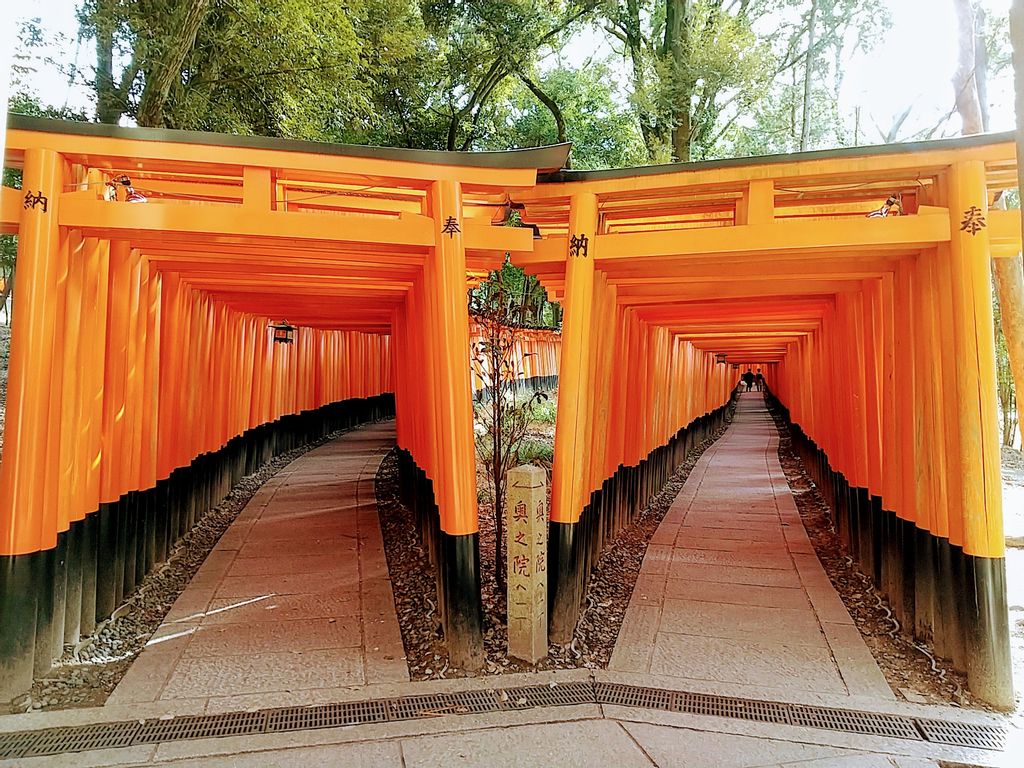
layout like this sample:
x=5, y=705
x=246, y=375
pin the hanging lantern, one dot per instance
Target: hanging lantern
x=735, y=366
x=283, y=332
x=720, y=357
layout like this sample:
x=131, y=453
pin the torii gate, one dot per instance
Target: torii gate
x=859, y=279
x=143, y=378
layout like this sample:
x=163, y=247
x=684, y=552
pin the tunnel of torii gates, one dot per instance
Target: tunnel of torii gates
x=144, y=379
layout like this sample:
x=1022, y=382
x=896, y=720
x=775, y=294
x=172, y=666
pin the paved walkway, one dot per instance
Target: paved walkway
x=294, y=607
x=731, y=592
x=295, y=597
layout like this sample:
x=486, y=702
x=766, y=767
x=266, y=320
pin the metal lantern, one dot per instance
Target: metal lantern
x=720, y=357
x=283, y=332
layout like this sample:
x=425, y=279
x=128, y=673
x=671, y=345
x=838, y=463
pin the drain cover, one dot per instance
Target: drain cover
x=550, y=695
x=634, y=696
x=326, y=716
x=82, y=738
x=103, y=736
x=963, y=734
x=727, y=706
x=462, y=703
x=856, y=722
x=201, y=727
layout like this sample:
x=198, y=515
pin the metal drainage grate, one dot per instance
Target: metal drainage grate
x=461, y=703
x=869, y=723
x=326, y=716
x=55, y=741
x=963, y=734
x=634, y=696
x=14, y=744
x=727, y=706
x=201, y=727
x=530, y=696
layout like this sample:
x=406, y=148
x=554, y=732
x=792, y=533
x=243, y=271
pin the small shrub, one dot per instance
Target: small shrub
x=532, y=451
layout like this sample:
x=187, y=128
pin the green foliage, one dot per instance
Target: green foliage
x=271, y=67
x=1004, y=379
x=706, y=78
x=544, y=411
x=532, y=451
x=603, y=132
x=771, y=124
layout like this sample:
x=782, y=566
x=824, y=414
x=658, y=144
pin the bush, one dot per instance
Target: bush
x=544, y=411
x=532, y=451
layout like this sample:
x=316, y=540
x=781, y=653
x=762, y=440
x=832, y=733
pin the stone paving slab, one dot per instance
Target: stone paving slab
x=295, y=596
x=730, y=590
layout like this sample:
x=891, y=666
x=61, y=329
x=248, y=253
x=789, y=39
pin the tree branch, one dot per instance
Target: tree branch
x=548, y=102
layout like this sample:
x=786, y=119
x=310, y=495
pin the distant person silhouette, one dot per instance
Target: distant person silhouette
x=760, y=381
x=748, y=379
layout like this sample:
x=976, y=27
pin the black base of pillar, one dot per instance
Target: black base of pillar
x=90, y=554
x=987, y=640
x=563, y=581
x=463, y=613
x=73, y=597
x=18, y=609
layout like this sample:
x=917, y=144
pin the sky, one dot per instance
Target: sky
x=912, y=63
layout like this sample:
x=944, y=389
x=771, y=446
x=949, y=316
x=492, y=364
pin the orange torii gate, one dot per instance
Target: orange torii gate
x=859, y=281
x=144, y=379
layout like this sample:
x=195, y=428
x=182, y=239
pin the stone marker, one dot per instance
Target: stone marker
x=526, y=508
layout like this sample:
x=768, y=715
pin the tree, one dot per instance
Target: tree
x=604, y=133
x=688, y=59
x=481, y=44
x=293, y=68
x=800, y=109
x=504, y=413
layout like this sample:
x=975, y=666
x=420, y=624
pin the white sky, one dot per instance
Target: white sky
x=913, y=63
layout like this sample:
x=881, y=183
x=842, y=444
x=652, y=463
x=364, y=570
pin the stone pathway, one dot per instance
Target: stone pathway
x=294, y=601
x=731, y=592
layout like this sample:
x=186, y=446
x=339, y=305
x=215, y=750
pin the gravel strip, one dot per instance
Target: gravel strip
x=611, y=586
x=87, y=673
x=907, y=668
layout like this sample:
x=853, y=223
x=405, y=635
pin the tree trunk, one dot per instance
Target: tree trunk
x=166, y=72
x=1010, y=272
x=108, y=106
x=805, y=129
x=981, y=66
x=6, y=294
x=964, y=85
x=677, y=30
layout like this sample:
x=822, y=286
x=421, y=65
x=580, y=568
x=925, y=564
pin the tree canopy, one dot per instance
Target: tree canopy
x=657, y=81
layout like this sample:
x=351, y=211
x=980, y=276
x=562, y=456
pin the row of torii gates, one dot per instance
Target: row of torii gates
x=144, y=381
